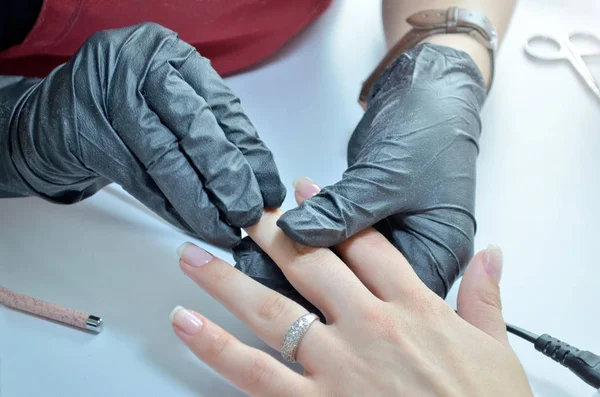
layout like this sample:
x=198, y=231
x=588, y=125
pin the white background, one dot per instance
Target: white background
x=538, y=195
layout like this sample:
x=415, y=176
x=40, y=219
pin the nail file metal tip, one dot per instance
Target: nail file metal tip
x=94, y=324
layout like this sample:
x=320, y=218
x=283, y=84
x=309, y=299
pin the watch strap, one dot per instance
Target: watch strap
x=430, y=22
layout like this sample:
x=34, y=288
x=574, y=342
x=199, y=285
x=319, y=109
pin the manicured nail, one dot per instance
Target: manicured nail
x=186, y=321
x=492, y=262
x=306, y=188
x=193, y=255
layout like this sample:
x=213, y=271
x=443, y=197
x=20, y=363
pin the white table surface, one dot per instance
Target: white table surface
x=538, y=195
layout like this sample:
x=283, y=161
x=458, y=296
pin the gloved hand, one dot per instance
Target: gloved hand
x=139, y=107
x=411, y=172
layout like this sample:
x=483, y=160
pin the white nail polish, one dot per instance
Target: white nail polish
x=174, y=311
x=296, y=182
x=182, y=248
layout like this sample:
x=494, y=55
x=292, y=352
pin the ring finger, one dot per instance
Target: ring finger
x=268, y=313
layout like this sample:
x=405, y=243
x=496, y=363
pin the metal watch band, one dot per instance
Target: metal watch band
x=430, y=22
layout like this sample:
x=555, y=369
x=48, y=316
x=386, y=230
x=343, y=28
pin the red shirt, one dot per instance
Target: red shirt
x=233, y=34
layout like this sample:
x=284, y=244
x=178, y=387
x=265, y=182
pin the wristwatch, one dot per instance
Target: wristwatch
x=429, y=22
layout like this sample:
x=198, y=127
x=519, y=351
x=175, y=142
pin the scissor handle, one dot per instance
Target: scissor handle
x=545, y=54
x=575, y=40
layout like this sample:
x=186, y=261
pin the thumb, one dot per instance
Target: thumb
x=339, y=211
x=479, y=300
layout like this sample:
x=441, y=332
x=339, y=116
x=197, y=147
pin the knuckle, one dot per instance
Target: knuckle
x=428, y=304
x=218, y=344
x=220, y=275
x=370, y=238
x=300, y=249
x=306, y=253
x=304, y=257
x=151, y=26
x=422, y=300
x=491, y=298
x=260, y=373
x=154, y=29
x=273, y=307
x=248, y=215
x=385, y=325
x=206, y=61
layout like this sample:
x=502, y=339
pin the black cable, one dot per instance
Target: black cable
x=583, y=363
x=522, y=333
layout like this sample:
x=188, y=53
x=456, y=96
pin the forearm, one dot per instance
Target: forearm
x=12, y=89
x=395, y=26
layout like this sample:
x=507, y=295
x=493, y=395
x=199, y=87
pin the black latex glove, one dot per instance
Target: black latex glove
x=139, y=107
x=411, y=172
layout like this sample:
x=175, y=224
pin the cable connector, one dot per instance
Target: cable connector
x=584, y=364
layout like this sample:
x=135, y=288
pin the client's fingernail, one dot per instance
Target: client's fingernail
x=185, y=320
x=193, y=255
x=306, y=188
x=492, y=262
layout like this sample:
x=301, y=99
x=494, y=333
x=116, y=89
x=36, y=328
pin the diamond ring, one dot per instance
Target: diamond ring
x=294, y=336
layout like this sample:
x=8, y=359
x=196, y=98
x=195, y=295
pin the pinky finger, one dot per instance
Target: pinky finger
x=253, y=371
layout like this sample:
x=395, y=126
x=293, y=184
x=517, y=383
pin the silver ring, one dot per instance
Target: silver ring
x=294, y=336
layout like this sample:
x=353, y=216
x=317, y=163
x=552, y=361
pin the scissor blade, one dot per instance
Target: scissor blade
x=581, y=68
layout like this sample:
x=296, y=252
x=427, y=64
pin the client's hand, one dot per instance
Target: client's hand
x=387, y=334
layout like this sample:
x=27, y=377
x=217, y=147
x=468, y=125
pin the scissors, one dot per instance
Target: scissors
x=566, y=50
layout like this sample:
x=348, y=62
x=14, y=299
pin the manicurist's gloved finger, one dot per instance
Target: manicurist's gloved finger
x=168, y=168
x=148, y=133
x=223, y=169
x=236, y=125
